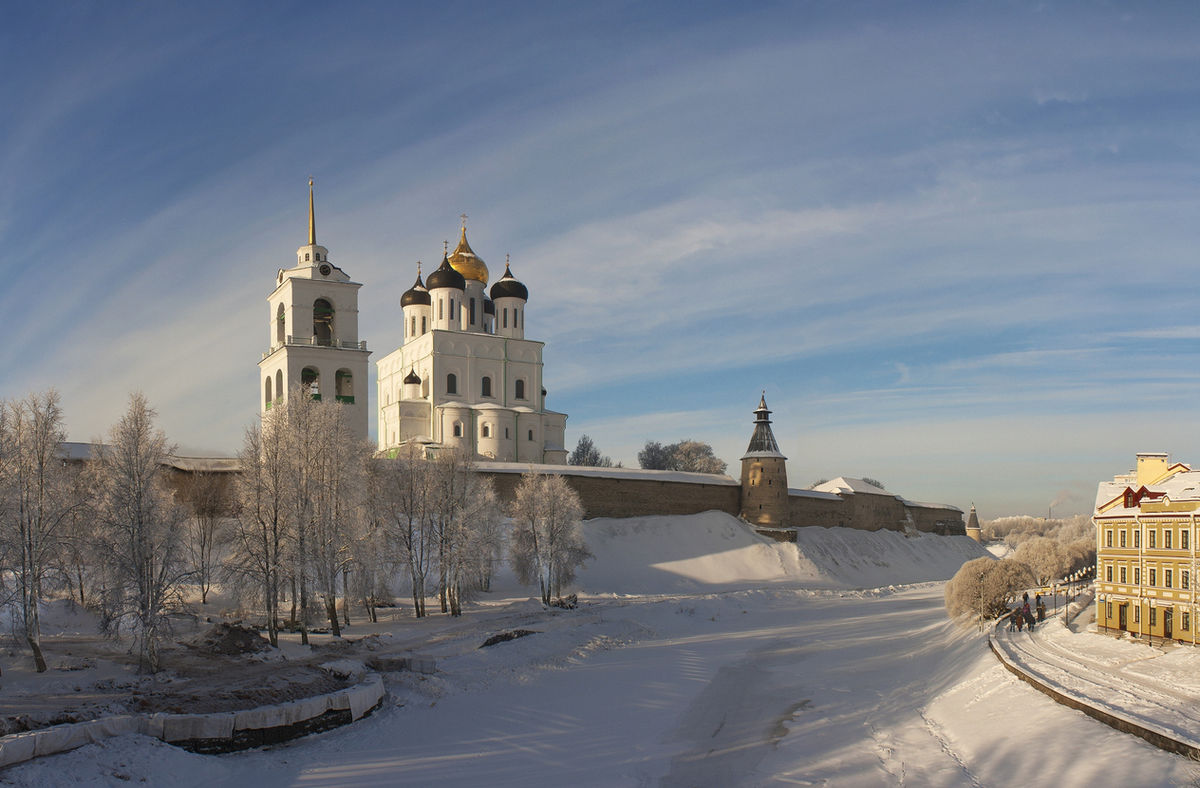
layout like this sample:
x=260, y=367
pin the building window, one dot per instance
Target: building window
x=451, y=383
x=486, y=386
x=423, y=328
x=1186, y=623
x=1183, y=579
x=451, y=308
x=279, y=384
x=520, y=389
x=306, y=259
x=505, y=316
x=472, y=311
x=1108, y=538
x=1108, y=573
x=1183, y=539
x=413, y=332
x=1166, y=578
x=457, y=429
x=506, y=433
x=1166, y=539
x=269, y=399
x=1153, y=616
x=531, y=435
x=1137, y=576
x=1152, y=534
x=1153, y=577
x=1108, y=610
x=280, y=324
x=425, y=388
x=1122, y=574
x=1137, y=614
x=485, y=431
x=1122, y=537
x=1137, y=538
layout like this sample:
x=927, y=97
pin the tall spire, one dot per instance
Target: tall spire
x=762, y=441
x=312, y=216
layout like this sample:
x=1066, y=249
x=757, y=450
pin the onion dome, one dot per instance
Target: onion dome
x=411, y=377
x=489, y=307
x=417, y=294
x=466, y=262
x=446, y=276
x=509, y=287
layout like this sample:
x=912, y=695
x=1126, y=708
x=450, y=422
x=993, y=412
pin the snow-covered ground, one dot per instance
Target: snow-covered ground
x=766, y=668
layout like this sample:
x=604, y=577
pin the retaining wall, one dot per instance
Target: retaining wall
x=206, y=733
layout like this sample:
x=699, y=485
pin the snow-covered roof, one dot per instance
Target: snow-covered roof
x=845, y=484
x=926, y=505
x=609, y=473
x=1184, y=486
x=206, y=464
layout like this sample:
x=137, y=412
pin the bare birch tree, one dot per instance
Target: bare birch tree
x=262, y=533
x=139, y=523
x=39, y=501
x=547, y=545
x=205, y=535
x=400, y=501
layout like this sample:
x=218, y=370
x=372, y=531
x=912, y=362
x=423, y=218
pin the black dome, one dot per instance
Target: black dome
x=508, y=287
x=489, y=307
x=446, y=276
x=417, y=294
x=411, y=377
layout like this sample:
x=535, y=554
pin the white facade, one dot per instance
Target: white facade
x=465, y=375
x=312, y=333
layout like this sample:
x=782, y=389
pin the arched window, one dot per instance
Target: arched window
x=486, y=431
x=268, y=399
x=505, y=311
x=423, y=329
x=306, y=257
x=520, y=392
x=531, y=435
x=310, y=380
x=452, y=383
x=413, y=332
x=279, y=384
x=344, y=384
x=425, y=387
x=472, y=311
x=280, y=323
x=458, y=429
x=486, y=387
x=322, y=322
x=451, y=308
x=441, y=306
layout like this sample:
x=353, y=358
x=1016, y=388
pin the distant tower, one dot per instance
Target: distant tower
x=313, y=333
x=973, y=529
x=764, y=474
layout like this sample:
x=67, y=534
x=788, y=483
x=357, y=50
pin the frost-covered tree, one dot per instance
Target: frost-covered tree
x=547, y=543
x=207, y=497
x=984, y=587
x=261, y=530
x=38, y=502
x=686, y=455
x=587, y=454
x=400, y=502
x=139, y=529
x=1045, y=557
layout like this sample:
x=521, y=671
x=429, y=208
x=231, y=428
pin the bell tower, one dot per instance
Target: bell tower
x=764, y=474
x=313, y=341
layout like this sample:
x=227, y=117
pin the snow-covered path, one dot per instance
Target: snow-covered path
x=1154, y=686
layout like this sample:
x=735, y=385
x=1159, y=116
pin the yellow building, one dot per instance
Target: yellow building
x=1146, y=549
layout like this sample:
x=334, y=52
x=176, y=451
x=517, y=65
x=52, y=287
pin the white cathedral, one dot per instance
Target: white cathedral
x=465, y=376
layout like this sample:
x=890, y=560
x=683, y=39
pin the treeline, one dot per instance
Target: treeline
x=314, y=519
x=1043, y=552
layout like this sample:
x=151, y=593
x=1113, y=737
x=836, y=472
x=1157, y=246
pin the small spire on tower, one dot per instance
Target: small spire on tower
x=312, y=216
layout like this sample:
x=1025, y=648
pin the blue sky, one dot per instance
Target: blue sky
x=955, y=243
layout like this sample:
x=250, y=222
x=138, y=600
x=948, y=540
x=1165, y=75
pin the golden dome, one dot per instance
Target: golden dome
x=464, y=260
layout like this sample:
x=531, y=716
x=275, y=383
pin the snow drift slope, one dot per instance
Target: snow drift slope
x=714, y=551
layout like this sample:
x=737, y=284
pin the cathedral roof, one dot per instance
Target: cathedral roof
x=973, y=520
x=509, y=287
x=417, y=294
x=762, y=441
x=446, y=276
x=411, y=377
x=466, y=262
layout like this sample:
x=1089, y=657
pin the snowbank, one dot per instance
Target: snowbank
x=714, y=551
